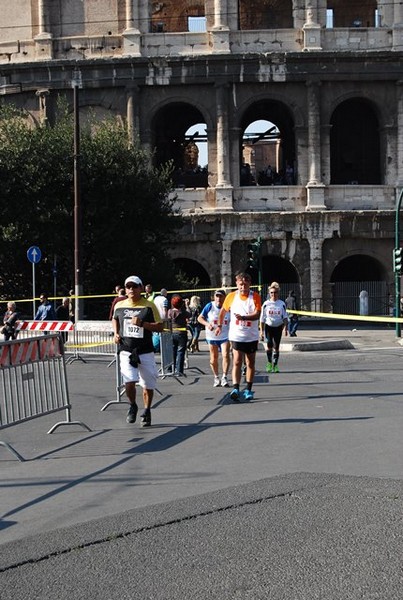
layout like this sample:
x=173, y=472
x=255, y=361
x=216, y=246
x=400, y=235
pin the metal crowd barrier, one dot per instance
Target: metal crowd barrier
x=91, y=339
x=33, y=382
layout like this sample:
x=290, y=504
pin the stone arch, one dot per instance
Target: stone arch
x=378, y=104
x=193, y=270
x=355, y=147
x=355, y=273
x=280, y=115
x=169, y=125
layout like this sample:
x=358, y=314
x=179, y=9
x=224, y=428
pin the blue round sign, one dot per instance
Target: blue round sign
x=34, y=254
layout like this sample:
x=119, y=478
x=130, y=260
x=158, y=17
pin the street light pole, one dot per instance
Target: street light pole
x=397, y=272
x=78, y=287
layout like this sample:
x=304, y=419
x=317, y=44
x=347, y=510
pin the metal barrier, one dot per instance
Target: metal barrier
x=167, y=368
x=120, y=386
x=33, y=382
x=91, y=339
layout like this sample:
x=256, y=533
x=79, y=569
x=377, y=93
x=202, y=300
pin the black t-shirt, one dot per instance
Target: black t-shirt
x=133, y=336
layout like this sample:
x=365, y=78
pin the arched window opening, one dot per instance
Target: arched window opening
x=172, y=16
x=352, y=13
x=267, y=155
x=356, y=274
x=180, y=136
x=191, y=274
x=355, y=144
x=265, y=14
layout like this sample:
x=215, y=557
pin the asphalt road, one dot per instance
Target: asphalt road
x=297, y=494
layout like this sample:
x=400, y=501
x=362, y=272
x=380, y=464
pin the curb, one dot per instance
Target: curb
x=320, y=345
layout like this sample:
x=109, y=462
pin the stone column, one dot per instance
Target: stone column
x=316, y=272
x=41, y=16
x=131, y=35
x=399, y=165
x=315, y=187
x=223, y=186
x=398, y=26
x=311, y=27
x=43, y=41
x=386, y=13
x=226, y=263
x=220, y=32
x=389, y=142
x=132, y=113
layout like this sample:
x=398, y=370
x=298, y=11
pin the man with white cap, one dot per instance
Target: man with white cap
x=134, y=321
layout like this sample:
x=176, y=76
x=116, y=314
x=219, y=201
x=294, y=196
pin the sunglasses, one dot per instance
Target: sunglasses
x=275, y=292
x=132, y=285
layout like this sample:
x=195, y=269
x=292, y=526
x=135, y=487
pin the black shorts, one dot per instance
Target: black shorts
x=246, y=347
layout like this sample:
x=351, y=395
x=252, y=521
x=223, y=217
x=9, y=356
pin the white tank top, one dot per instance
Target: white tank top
x=243, y=330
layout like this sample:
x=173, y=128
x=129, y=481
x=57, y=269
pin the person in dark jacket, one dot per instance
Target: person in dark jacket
x=178, y=315
x=293, y=321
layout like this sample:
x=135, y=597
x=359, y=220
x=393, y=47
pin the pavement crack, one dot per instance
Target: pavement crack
x=155, y=526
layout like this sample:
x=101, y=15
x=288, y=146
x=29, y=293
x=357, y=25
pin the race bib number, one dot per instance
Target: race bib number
x=132, y=331
x=242, y=323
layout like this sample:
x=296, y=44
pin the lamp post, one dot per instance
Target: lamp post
x=78, y=287
x=397, y=271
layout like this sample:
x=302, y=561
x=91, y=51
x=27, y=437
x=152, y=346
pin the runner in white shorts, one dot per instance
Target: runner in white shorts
x=134, y=321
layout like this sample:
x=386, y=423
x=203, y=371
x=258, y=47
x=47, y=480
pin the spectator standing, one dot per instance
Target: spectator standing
x=161, y=302
x=148, y=292
x=178, y=315
x=293, y=319
x=63, y=314
x=134, y=321
x=273, y=320
x=72, y=306
x=10, y=320
x=194, y=325
x=245, y=306
x=217, y=342
x=121, y=296
x=45, y=311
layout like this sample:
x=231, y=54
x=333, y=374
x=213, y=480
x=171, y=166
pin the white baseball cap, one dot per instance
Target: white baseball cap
x=134, y=279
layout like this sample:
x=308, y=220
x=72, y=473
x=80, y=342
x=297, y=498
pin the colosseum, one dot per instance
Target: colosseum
x=284, y=119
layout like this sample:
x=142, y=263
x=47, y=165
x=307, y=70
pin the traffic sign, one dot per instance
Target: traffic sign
x=34, y=254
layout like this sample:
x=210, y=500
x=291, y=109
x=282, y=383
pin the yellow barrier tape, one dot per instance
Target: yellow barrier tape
x=93, y=345
x=306, y=313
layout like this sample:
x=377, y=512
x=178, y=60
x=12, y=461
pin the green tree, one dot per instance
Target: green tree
x=128, y=217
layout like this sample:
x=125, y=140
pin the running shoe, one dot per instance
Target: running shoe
x=216, y=382
x=132, y=414
x=234, y=395
x=224, y=381
x=248, y=395
x=269, y=367
x=276, y=369
x=145, y=419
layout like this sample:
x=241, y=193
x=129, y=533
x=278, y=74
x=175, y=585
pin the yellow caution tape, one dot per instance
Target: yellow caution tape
x=306, y=313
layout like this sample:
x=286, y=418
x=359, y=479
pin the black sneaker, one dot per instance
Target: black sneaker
x=234, y=395
x=132, y=413
x=145, y=419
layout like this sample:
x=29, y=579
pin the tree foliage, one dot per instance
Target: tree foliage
x=128, y=217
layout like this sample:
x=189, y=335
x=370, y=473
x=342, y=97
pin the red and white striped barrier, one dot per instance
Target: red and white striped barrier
x=45, y=326
x=28, y=351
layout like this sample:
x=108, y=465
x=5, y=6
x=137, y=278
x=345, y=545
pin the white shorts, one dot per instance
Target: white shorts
x=145, y=374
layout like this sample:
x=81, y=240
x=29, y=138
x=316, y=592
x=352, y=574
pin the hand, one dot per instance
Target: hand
x=117, y=338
